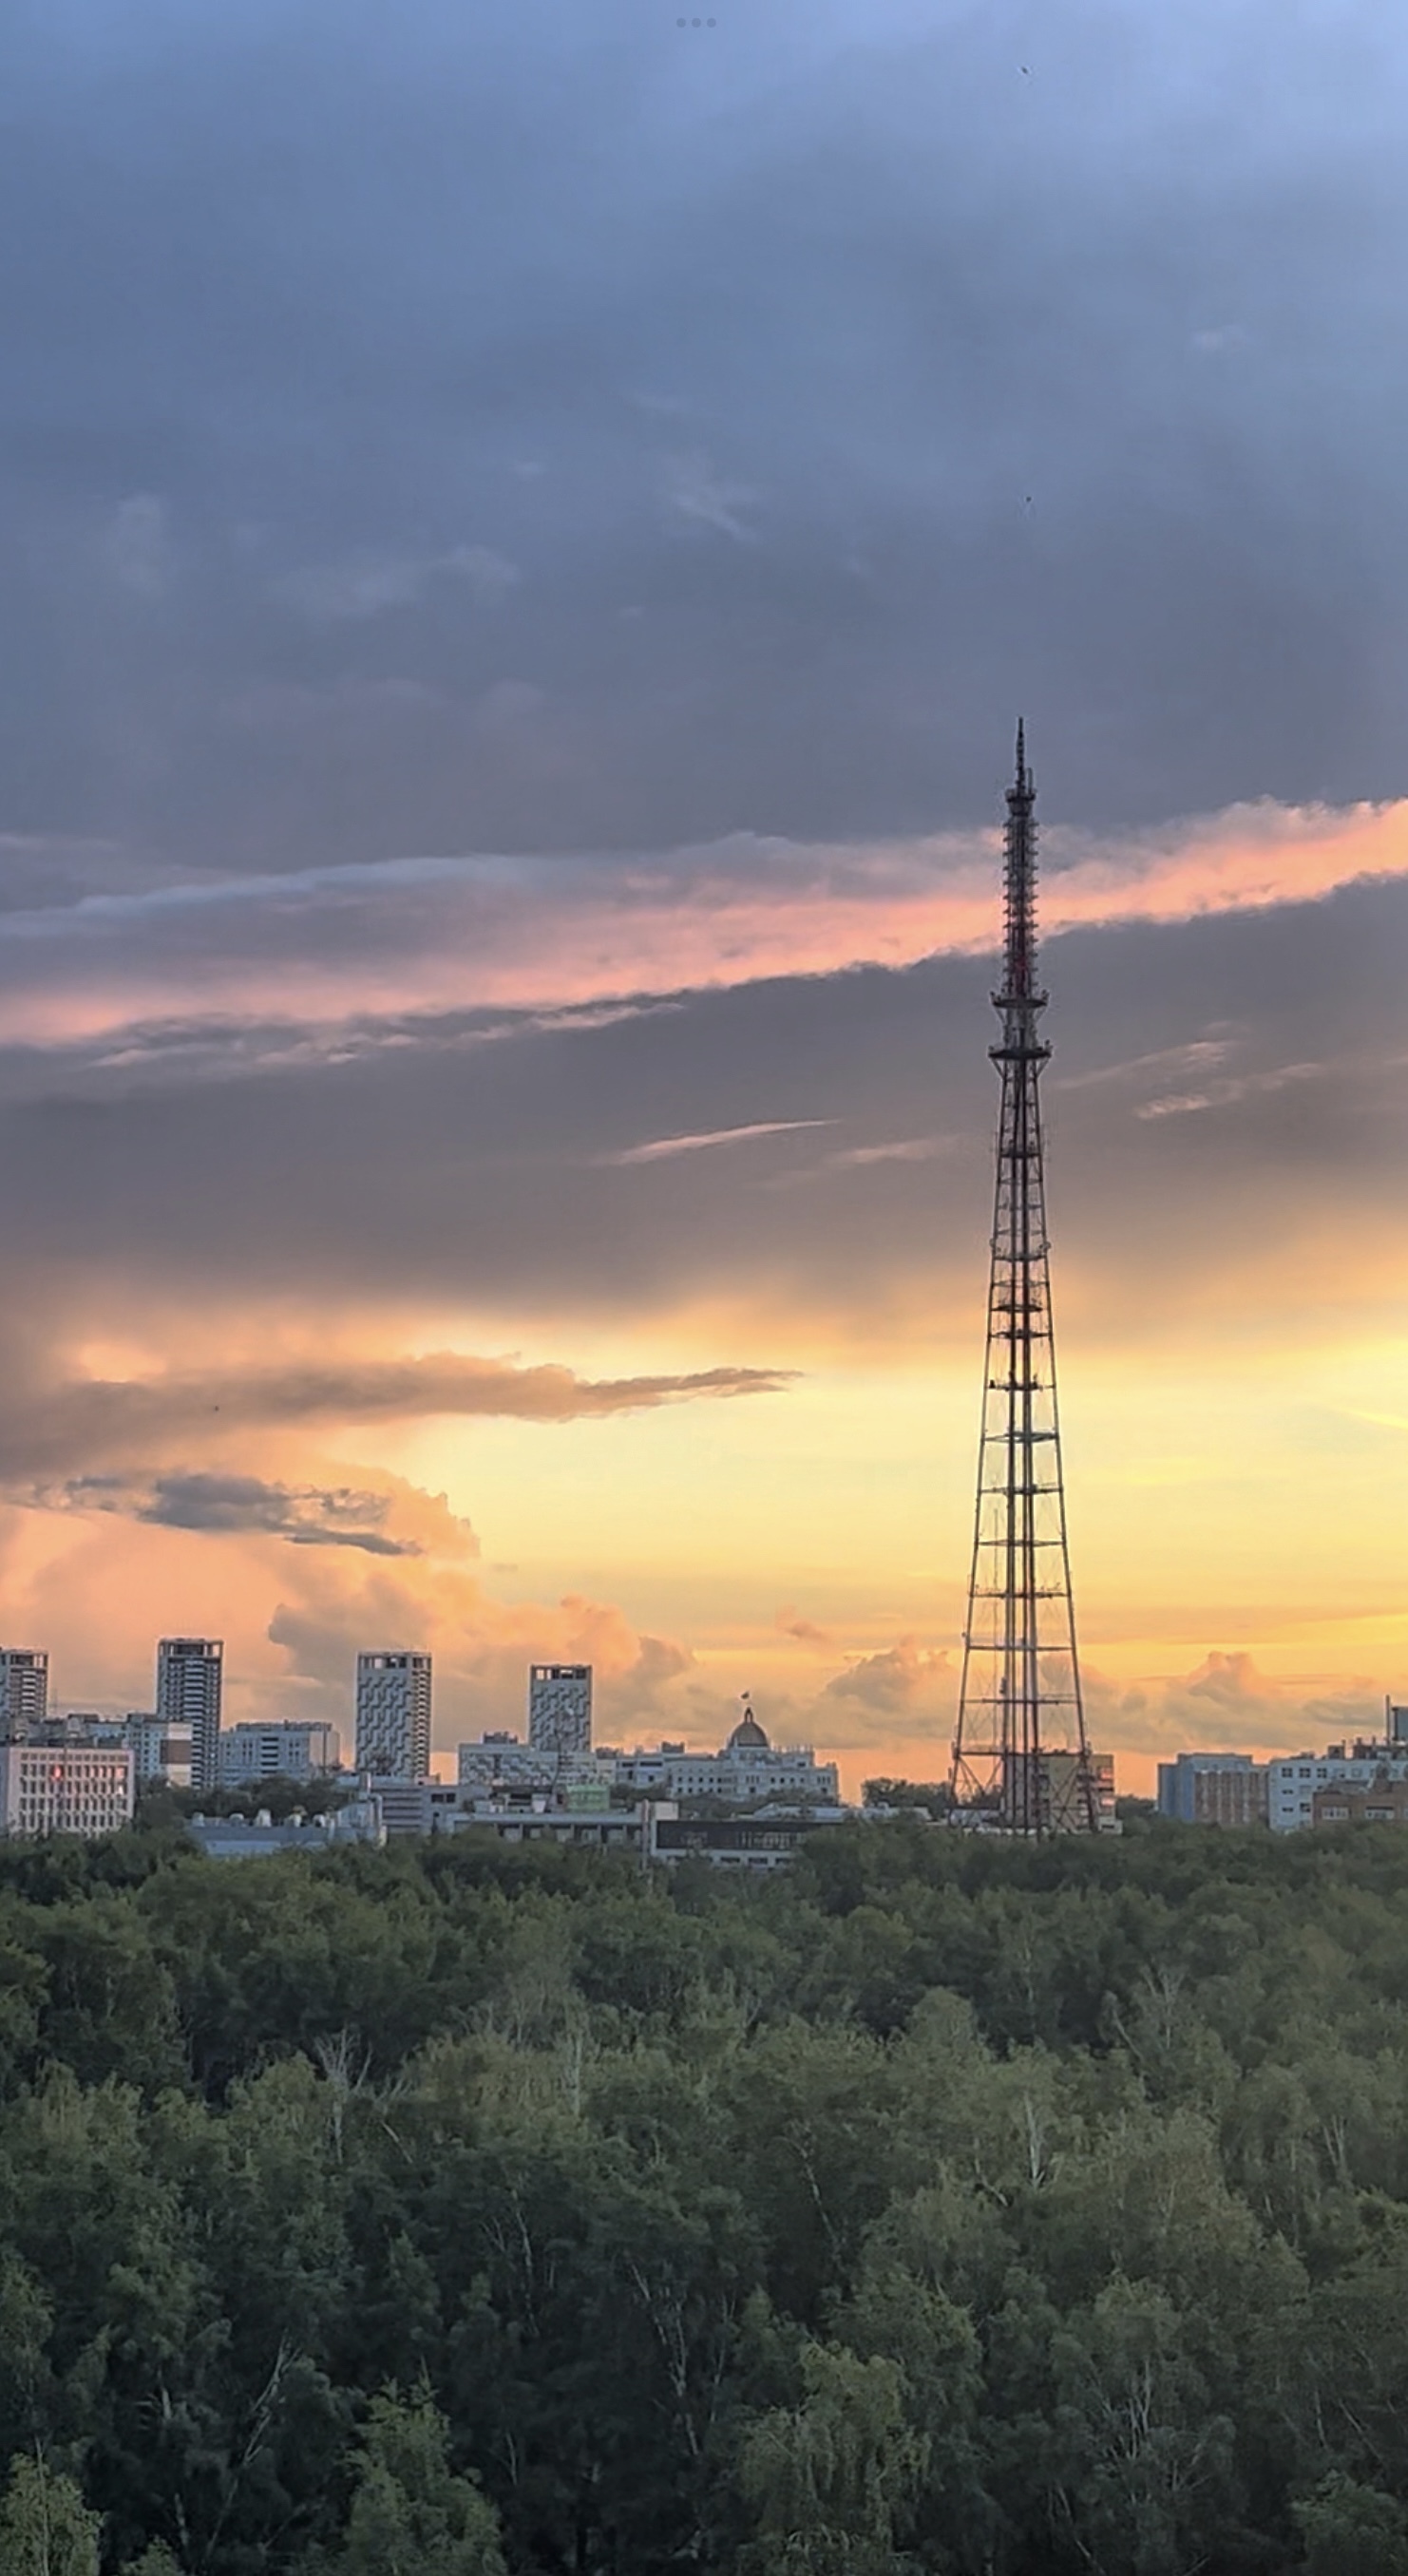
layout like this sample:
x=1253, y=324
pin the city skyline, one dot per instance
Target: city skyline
x=510, y=648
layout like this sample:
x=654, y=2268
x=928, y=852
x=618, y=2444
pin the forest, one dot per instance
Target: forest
x=939, y=2205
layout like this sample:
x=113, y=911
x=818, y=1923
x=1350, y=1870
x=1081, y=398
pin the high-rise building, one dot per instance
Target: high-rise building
x=560, y=1708
x=393, y=1714
x=24, y=1691
x=188, y=1671
x=1021, y=1762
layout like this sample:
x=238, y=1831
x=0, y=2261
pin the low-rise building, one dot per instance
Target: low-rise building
x=584, y=1821
x=1380, y=1801
x=1213, y=1789
x=259, y=1838
x=288, y=1748
x=1292, y=1780
x=414, y=1806
x=755, y=1843
x=61, y=1787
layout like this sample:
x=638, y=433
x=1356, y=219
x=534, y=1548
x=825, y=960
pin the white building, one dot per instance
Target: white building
x=560, y=1708
x=289, y=1748
x=188, y=1678
x=63, y=1788
x=393, y=1714
x=24, y=1691
x=1292, y=1781
x=747, y=1770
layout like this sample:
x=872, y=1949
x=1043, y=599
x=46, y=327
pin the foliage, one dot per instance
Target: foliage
x=45, y=2528
x=411, y=2516
x=939, y=2208
x=934, y=1797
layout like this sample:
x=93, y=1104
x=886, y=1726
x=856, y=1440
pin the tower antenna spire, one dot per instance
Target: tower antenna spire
x=1021, y=1762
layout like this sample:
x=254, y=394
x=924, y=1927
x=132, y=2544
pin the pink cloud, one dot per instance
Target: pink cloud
x=336, y=945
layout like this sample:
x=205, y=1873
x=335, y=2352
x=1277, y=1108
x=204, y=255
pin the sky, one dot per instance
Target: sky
x=524, y=534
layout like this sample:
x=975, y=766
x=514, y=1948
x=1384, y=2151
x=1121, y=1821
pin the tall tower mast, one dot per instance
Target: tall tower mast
x=1020, y=1757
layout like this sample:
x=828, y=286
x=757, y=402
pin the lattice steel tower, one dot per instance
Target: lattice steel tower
x=1020, y=1757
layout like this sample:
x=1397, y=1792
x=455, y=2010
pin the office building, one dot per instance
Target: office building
x=560, y=1708
x=188, y=1678
x=1213, y=1789
x=393, y=1714
x=24, y=1691
x=65, y=1788
x=287, y=1748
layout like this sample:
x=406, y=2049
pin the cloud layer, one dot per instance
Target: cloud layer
x=412, y=937
x=112, y=1417
x=521, y=544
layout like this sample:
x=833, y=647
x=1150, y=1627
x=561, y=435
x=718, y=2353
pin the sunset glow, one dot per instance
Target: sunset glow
x=516, y=635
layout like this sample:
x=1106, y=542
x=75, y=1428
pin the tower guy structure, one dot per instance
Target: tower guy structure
x=1021, y=1763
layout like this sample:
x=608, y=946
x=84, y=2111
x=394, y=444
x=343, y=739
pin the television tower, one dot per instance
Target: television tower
x=1021, y=1763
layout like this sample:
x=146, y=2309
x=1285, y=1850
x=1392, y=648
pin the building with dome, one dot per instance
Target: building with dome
x=748, y=1770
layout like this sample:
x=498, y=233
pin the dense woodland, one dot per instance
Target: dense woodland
x=942, y=2206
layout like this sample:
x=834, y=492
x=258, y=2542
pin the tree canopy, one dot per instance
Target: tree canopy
x=939, y=2205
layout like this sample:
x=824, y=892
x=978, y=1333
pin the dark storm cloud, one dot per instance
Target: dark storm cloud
x=235, y=1505
x=513, y=428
